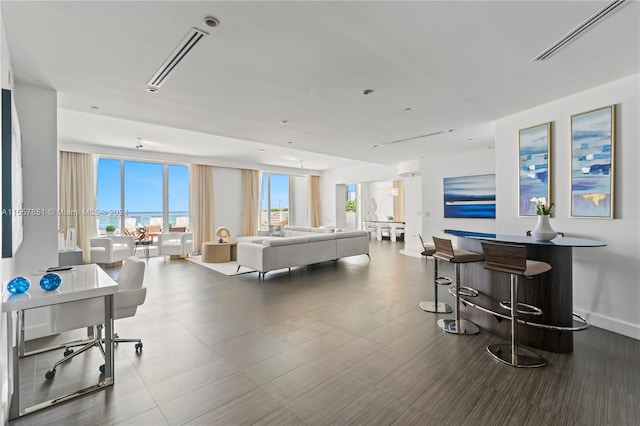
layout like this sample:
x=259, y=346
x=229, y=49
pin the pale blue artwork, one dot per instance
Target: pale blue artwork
x=470, y=197
x=592, y=151
x=534, y=169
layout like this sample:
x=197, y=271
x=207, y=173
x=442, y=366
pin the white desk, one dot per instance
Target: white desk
x=82, y=282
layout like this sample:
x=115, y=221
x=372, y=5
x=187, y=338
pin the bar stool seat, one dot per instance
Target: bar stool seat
x=434, y=306
x=511, y=259
x=446, y=252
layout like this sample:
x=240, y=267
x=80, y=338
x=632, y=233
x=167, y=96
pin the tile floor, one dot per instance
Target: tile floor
x=341, y=343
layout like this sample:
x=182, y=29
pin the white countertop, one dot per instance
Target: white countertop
x=80, y=282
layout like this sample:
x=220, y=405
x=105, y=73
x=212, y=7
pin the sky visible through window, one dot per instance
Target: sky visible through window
x=279, y=191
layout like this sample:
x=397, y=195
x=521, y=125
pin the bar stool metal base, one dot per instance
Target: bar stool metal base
x=524, y=358
x=443, y=308
x=466, y=327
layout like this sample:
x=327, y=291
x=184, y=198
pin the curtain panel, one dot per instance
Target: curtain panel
x=314, y=201
x=250, y=201
x=398, y=200
x=201, y=204
x=78, y=194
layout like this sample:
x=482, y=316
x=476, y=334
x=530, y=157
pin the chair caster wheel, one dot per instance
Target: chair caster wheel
x=50, y=374
x=102, y=369
x=139, y=347
x=68, y=352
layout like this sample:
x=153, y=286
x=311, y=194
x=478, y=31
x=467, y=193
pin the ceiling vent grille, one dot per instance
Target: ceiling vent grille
x=169, y=65
x=580, y=29
x=415, y=137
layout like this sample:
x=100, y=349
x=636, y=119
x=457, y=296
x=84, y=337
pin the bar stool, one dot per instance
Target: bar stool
x=445, y=251
x=433, y=305
x=512, y=259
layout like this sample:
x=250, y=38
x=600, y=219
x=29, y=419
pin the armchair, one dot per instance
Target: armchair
x=175, y=244
x=111, y=249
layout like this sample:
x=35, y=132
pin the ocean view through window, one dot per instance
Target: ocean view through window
x=141, y=194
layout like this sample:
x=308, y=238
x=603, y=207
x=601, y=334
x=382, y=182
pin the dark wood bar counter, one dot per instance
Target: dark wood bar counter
x=552, y=291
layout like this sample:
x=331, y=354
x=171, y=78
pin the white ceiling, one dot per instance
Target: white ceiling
x=457, y=65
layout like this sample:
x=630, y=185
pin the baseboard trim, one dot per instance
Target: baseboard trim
x=611, y=324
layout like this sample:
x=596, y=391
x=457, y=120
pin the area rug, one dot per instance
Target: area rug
x=227, y=268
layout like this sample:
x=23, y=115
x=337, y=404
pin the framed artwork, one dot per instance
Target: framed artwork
x=470, y=197
x=592, y=163
x=12, y=231
x=534, y=167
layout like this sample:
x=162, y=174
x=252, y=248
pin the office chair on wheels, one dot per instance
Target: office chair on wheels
x=90, y=313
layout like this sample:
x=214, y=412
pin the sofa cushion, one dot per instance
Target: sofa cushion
x=275, y=231
x=321, y=237
x=351, y=234
x=275, y=242
x=322, y=230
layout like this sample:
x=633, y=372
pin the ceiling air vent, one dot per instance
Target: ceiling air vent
x=577, y=31
x=169, y=65
x=415, y=137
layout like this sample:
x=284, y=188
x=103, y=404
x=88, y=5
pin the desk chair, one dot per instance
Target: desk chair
x=512, y=259
x=90, y=313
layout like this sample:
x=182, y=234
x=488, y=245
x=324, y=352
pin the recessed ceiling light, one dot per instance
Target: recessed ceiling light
x=284, y=121
x=94, y=107
x=367, y=91
x=211, y=21
x=152, y=90
x=407, y=109
x=289, y=142
x=261, y=150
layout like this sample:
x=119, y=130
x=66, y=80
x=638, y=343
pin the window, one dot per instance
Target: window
x=150, y=193
x=108, y=192
x=351, y=197
x=274, y=199
x=143, y=193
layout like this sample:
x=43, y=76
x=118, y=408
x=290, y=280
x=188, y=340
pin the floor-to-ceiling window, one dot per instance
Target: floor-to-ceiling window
x=148, y=193
x=108, y=193
x=274, y=200
x=143, y=193
x=178, y=195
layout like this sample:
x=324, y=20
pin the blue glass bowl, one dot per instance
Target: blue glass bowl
x=18, y=285
x=50, y=281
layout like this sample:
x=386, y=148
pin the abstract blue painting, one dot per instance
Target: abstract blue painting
x=470, y=197
x=592, y=163
x=535, y=167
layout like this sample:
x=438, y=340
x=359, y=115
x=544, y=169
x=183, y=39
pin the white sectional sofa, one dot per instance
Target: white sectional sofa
x=299, y=246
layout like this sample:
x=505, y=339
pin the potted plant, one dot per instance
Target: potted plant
x=110, y=229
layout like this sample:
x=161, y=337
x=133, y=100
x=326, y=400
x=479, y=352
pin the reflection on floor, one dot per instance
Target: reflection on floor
x=331, y=343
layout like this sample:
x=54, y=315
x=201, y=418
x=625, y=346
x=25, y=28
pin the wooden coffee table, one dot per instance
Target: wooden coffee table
x=215, y=252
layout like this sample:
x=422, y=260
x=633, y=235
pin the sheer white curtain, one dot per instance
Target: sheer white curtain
x=250, y=200
x=201, y=204
x=77, y=195
x=314, y=201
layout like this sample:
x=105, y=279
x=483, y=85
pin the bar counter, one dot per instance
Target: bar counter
x=552, y=292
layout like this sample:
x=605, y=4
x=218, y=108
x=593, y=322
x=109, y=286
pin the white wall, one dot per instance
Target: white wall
x=464, y=163
x=412, y=212
x=37, y=111
x=299, y=210
x=605, y=280
x=227, y=200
